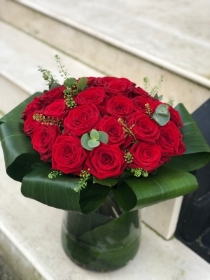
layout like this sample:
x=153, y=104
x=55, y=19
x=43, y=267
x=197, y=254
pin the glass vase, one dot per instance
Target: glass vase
x=104, y=240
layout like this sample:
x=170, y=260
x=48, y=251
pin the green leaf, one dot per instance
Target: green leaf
x=109, y=182
x=103, y=137
x=82, y=83
x=104, y=244
x=197, y=152
x=161, y=115
x=19, y=155
x=166, y=183
x=15, y=114
x=93, y=143
x=92, y=197
x=84, y=141
x=70, y=82
x=58, y=192
x=94, y=134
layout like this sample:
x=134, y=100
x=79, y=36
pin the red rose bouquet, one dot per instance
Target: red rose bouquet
x=103, y=128
x=92, y=134
x=102, y=146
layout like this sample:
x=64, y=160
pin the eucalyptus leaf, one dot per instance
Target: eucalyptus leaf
x=82, y=83
x=84, y=141
x=93, y=143
x=94, y=134
x=103, y=137
x=161, y=120
x=69, y=82
x=161, y=115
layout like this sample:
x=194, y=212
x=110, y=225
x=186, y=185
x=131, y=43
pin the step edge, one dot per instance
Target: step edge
x=201, y=80
x=26, y=257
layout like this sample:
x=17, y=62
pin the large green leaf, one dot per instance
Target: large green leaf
x=15, y=114
x=197, y=152
x=19, y=155
x=92, y=197
x=104, y=245
x=58, y=192
x=165, y=184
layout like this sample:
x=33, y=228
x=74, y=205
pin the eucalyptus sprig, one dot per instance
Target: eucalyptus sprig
x=92, y=140
x=48, y=76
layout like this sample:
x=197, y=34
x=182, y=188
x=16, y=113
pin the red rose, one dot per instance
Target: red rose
x=175, y=117
x=57, y=109
x=144, y=128
x=119, y=106
x=68, y=154
x=30, y=124
x=106, y=161
x=137, y=92
x=43, y=138
x=35, y=105
x=119, y=86
x=94, y=95
x=91, y=81
x=171, y=139
x=141, y=101
x=101, y=81
x=113, y=128
x=145, y=156
x=81, y=119
x=51, y=95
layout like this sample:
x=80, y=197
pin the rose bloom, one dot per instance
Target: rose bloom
x=171, y=140
x=43, y=138
x=175, y=117
x=119, y=106
x=30, y=124
x=145, y=156
x=35, y=105
x=140, y=102
x=101, y=81
x=57, y=109
x=52, y=95
x=113, y=128
x=106, y=161
x=81, y=119
x=119, y=86
x=137, y=92
x=68, y=154
x=143, y=127
x=94, y=95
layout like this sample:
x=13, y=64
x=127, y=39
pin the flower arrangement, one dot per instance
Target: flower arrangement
x=71, y=144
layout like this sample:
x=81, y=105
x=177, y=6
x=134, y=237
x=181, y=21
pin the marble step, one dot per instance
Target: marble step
x=132, y=39
x=29, y=241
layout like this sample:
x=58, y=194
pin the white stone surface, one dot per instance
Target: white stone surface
x=30, y=241
x=176, y=32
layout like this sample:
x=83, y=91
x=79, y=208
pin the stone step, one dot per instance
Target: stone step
x=29, y=240
x=132, y=40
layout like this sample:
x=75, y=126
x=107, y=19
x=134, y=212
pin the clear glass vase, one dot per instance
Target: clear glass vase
x=104, y=240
